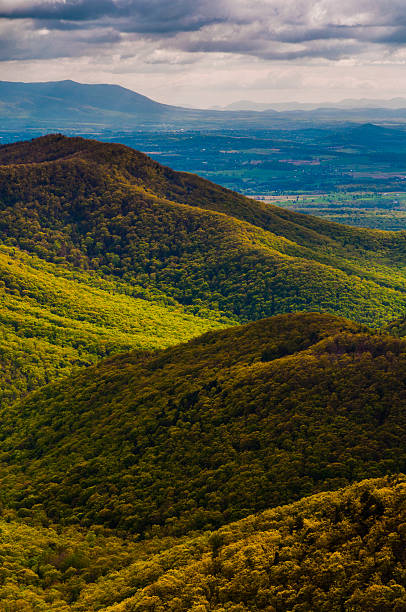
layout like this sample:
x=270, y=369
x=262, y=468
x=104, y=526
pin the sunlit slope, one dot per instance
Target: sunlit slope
x=53, y=319
x=210, y=431
x=331, y=551
x=109, y=208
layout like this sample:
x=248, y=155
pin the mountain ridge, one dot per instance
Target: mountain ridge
x=348, y=104
x=210, y=431
x=74, y=105
x=42, y=101
x=110, y=208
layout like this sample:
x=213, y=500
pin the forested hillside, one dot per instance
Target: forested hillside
x=207, y=432
x=331, y=552
x=342, y=550
x=96, y=206
x=173, y=471
x=53, y=320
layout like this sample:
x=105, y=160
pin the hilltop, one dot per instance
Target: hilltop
x=104, y=207
x=208, y=432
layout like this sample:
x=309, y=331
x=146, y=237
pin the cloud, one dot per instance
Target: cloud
x=266, y=29
x=142, y=16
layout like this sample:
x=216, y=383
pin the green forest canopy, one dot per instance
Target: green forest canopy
x=105, y=207
x=54, y=319
x=121, y=483
x=205, y=433
x=103, y=250
x=342, y=550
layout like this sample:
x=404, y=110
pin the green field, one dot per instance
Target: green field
x=385, y=211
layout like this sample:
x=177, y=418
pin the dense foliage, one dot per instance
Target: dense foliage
x=340, y=551
x=205, y=433
x=105, y=207
x=53, y=320
x=46, y=569
x=396, y=328
x=112, y=477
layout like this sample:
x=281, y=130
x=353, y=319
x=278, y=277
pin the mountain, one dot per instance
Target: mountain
x=68, y=101
x=363, y=135
x=347, y=104
x=249, y=105
x=109, y=209
x=205, y=433
x=71, y=106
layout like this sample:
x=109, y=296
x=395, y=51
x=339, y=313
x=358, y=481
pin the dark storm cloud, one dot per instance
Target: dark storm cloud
x=269, y=29
x=54, y=44
x=72, y=10
x=148, y=16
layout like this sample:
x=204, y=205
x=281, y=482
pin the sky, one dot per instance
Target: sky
x=211, y=52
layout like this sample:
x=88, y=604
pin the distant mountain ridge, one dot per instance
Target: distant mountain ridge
x=347, y=104
x=58, y=105
x=68, y=103
x=73, y=101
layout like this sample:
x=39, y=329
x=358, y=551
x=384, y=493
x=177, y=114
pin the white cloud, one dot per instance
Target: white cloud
x=212, y=49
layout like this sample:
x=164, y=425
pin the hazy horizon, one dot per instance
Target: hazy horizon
x=243, y=101
x=207, y=53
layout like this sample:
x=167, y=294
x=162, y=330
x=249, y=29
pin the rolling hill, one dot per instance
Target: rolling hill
x=104, y=250
x=103, y=207
x=208, y=432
